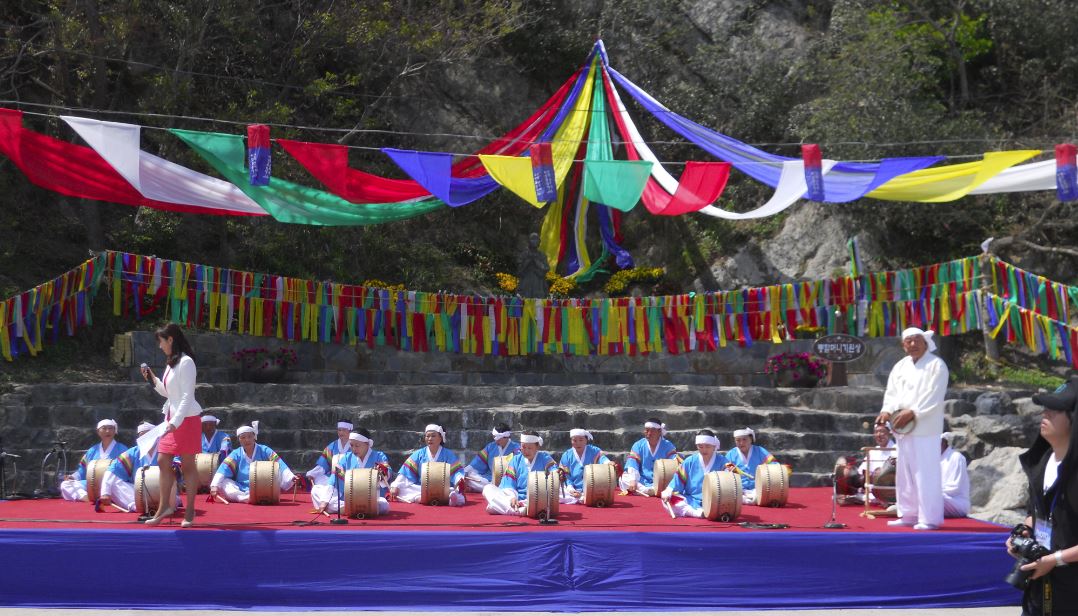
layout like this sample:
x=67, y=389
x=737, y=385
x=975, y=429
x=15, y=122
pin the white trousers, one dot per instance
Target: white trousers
x=122, y=493
x=318, y=476
x=499, y=501
x=630, y=476
x=324, y=496
x=918, y=483
x=408, y=492
x=473, y=481
x=954, y=507
x=73, y=490
x=683, y=509
x=234, y=494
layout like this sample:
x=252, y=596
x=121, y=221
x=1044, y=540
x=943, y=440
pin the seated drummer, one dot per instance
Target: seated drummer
x=746, y=456
x=955, y=479
x=118, y=485
x=73, y=487
x=232, y=481
x=320, y=475
x=640, y=463
x=479, y=472
x=213, y=440
x=510, y=497
x=406, y=485
x=685, y=493
x=581, y=454
x=875, y=462
x=360, y=455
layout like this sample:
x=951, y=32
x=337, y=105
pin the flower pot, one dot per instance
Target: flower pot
x=786, y=378
x=273, y=373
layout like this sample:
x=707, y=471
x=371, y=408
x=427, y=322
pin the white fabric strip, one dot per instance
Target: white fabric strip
x=156, y=178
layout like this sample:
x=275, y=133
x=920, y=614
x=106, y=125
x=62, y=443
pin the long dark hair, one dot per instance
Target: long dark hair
x=180, y=345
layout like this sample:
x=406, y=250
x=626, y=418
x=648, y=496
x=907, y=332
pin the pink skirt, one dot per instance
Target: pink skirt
x=186, y=440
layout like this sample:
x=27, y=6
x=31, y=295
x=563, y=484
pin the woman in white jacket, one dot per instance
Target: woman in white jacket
x=183, y=430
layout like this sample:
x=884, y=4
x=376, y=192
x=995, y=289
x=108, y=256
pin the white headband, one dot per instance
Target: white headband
x=927, y=335
x=580, y=432
x=947, y=436
x=652, y=424
x=745, y=432
x=209, y=418
x=704, y=439
x=253, y=429
x=345, y=425
x=435, y=428
x=107, y=422
x=144, y=427
x=497, y=435
x=531, y=438
x=356, y=436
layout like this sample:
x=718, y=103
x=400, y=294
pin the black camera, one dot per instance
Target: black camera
x=1028, y=550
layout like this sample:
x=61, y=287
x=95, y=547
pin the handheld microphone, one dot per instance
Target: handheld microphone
x=144, y=368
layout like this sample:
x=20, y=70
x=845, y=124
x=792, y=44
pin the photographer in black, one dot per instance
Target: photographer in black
x=1051, y=465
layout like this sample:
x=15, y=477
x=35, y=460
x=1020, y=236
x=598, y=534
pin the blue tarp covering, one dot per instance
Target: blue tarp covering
x=527, y=571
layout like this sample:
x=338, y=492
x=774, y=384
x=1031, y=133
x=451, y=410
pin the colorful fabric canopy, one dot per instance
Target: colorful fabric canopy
x=156, y=178
x=289, y=202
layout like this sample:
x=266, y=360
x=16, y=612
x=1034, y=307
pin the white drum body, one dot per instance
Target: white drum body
x=361, y=493
x=772, y=485
x=600, y=485
x=722, y=496
x=265, y=483
x=434, y=483
x=543, y=491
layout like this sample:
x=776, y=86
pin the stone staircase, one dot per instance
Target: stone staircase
x=806, y=428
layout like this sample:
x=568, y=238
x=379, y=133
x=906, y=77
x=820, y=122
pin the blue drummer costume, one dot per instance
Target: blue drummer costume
x=233, y=476
x=479, y=471
x=327, y=497
x=747, y=464
x=323, y=467
x=74, y=489
x=686, y=489
x=218, y=443
x=640, y=463
x=514, y=483
x=407, y=482
x=574, y=463
x=119, y=481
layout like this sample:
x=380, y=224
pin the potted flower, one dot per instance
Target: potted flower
x=262, y=365
x=794, y=370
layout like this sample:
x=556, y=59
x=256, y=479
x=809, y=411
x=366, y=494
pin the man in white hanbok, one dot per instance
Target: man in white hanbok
x=915, y=392
x=955, y=479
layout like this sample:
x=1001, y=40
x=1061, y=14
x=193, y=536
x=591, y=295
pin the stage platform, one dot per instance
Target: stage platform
x=630, y=556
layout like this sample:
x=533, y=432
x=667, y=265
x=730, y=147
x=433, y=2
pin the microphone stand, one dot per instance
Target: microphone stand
x=833, y=523
x=546, y=519
x=339, y=519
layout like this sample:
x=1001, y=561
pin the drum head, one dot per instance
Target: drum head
x=662, y=473
x=207, y=464
x=361, y=493
x=434, y=483
x=600, y=485
x=772, y=485
x=95, y=474
x=543, y=491
x=265, y=483
x=722, y=496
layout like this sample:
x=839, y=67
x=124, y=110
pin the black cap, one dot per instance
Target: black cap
x=1063, y=399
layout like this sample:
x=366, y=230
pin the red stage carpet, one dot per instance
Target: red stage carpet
x=807, y=510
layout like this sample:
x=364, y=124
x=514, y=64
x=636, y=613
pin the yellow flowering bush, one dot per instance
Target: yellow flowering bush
x=381, y=284
x=560, y=287
x=507, y=282
x=620, y=281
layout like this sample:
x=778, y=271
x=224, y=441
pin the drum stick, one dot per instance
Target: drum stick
x=119, y=508
x=220, y=499
x=669, y=509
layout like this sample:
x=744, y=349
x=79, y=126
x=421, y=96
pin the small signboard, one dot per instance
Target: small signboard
x=840, y=348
